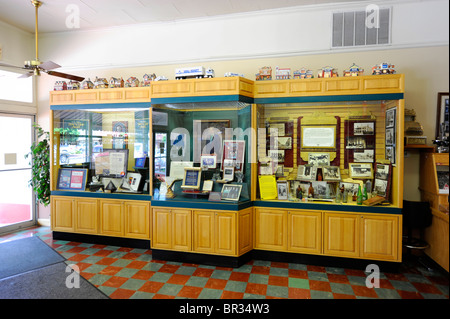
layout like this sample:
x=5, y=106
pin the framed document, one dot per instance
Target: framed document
x=282, y=190
x=192, y=177
x=72, y=179
x=111, y=163
x=318, y=137
x=234, y=152
x=268, y=187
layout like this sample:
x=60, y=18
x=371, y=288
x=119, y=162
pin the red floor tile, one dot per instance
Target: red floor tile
x=426, y=288
x=158, y=296
x=131, y=256
x=278, y=281
x=106, y=261
x=110, y=270
x=232, y=295
x=178, y=279
x=343, y=296
x=256, y=289
x=296, y=273
x=102, y=253
x=298, y=293
x=122, y=294
x=409, y=294
x=279, y=264
x=214, y=283
x=261, y=270
x=78, y=257
x=143, y=274
x=239, y=276
x=355, y=272
x=203, y=272
x=315, y=268
x=337, y=278
x=76, y=250
x=151, y=286
x=169, y=268
x=363, y=291
x=137, y=264
x=319, y=285
x=115, y=282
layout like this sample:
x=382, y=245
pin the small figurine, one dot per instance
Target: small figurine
x=73, y=85
x=282, y=73
x=60, y=86
x=265, y=73
x=116, y=83
x=87, y=84
x=310, y=191
x=161, y=78
x=193, y=72
x=383, y=68
x=147, y=79
x=100, y=83
x=327, y=72
x=303, y=73
x=299, y=192
x=354, y=70
x=132, y=82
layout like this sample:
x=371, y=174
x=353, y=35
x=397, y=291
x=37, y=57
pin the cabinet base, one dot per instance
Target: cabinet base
x=324, y=261
x=195, y=258
x=103, y=240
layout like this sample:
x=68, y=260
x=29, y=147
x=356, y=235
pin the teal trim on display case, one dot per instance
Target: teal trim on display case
x=212, y=98
x=330, y=98
x=143, y=105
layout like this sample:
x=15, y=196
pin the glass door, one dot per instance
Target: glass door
x=17, y=208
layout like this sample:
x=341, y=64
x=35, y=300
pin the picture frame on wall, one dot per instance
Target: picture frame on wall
x=442, y=113
x=391, y=117
x=390, y=154
x=234, y=152
x=364, y=128
x=360, y=170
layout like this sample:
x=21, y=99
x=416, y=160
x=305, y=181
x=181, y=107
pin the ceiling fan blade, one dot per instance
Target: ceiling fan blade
x=64, y=75
x=49, y=65
x=26, y=75
x=11, y=66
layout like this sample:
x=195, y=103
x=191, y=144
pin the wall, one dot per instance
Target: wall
x=243, y=43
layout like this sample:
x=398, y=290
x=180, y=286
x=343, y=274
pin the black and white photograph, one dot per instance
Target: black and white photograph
x=331, y=173
x=360, y=170
x=390, y=117
x=390, y=154
x=380, y=186
x=319, y=159
x=356, y=142
x=307, y=172
x=320, y=189
x=352, y=188
x=364, y=128
x=382, y=171
x=284, y=142
x=276, y=155
x=282, y=188
x=231, y=192
x=390, y=136
x=365, y=156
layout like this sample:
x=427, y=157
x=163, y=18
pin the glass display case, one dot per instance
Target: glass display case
x=101, y=150
x=342, y=153
x=202, y=152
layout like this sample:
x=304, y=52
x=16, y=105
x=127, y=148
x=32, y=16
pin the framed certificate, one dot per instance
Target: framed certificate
x=72, y=179
x=318, y=136
x=192, y=177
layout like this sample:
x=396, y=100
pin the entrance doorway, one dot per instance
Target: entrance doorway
x=17, y=208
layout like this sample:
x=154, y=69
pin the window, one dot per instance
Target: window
x=14, y=88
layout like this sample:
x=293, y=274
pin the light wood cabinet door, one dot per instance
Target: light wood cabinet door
x=380, y=237
x=112, y=217
x=137, y=219
x=305, y=232
x=225, y=233
x=245, y=231
x=181, y=229
x=161, y=228
x=203, y=231
x=62, y=213
x=270, y=229
x=341, y=234
x=86, y=215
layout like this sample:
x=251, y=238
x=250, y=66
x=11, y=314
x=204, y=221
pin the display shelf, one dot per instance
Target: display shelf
x=97, y=96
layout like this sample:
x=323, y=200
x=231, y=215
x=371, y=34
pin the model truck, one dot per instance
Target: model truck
x=193, y=72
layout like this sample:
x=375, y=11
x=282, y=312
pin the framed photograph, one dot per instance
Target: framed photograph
x=320, y=189
x=390, y=154
x=318, y=136
x=355, y=142
x=207, y=186
x=352, y=188
x=208, y=137
x=364, y=128
x=390, y=117
x=319, y=159
x=192, y=178
x=231, y=192
x=382, y=171
x=307, y=172
x=284, y=142
x=331, y=173
x=132, y=182
x=381, y=187
x=267, y=168
x=365, y=156
x=73, y=179
x=442, y=116
x=282, y=189
x=120, y=129
x=208, y=161
x=234, y=152
x=382, y=183
x=228, y=173
x=276, y=155
x=360, y=170
x=390, y=136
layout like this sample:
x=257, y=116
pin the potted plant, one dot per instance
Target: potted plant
x=40, y=166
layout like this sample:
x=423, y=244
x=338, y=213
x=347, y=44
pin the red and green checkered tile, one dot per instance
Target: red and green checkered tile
x=128, y=273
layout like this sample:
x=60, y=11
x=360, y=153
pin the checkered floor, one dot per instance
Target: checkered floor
x=128, y=273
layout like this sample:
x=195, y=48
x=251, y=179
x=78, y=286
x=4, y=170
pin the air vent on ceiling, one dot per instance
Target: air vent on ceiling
x=350, y=28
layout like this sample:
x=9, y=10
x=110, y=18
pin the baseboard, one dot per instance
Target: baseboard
x=43, y=222
x=103, y=240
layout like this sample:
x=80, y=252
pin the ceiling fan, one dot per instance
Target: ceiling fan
x=35, y=66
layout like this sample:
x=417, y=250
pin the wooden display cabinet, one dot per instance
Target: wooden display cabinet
x=433, y=177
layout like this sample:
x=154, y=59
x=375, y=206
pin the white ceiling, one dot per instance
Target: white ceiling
x=108, y=13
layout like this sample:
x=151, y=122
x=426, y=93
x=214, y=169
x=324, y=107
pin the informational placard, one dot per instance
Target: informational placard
x=72, y=179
